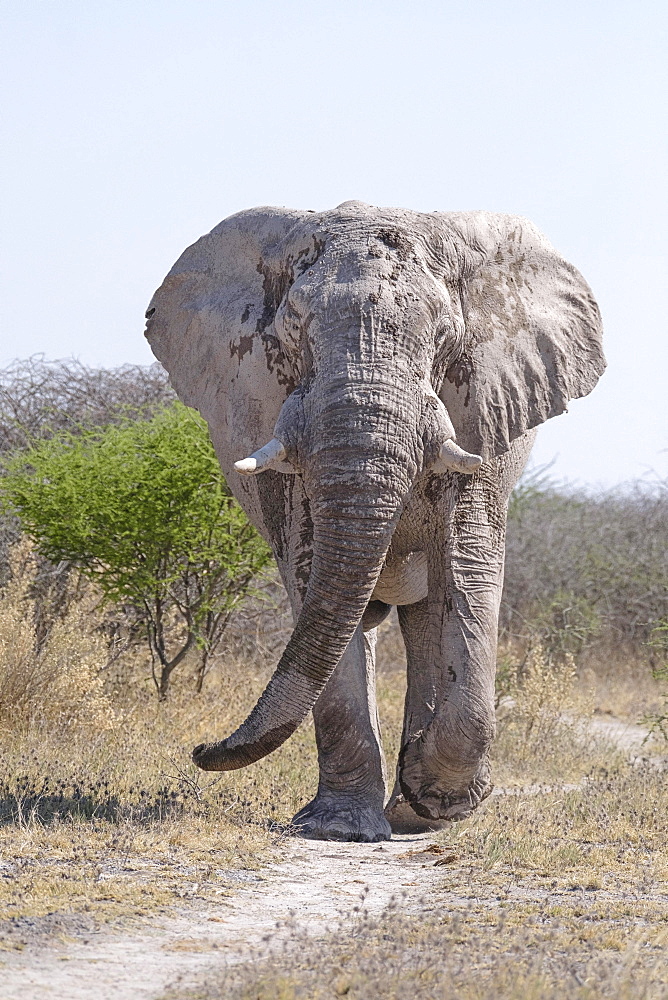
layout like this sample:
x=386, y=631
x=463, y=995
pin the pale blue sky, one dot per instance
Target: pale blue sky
x=131, y=128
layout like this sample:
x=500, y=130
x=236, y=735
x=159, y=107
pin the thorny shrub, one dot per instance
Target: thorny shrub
x=39, y=398
x=601, y=559
x=658, y=722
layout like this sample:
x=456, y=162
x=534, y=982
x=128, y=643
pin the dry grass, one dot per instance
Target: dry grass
x=101, y=809
x=545, y=895
x=120, y=819
x=514, y=951
x=115, y=824
x=561, y=894
x=55, y=678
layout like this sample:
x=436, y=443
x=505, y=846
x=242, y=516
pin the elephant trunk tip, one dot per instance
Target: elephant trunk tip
x=223, y=756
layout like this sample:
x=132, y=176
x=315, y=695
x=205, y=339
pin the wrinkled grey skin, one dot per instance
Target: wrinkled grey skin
x=358, y=338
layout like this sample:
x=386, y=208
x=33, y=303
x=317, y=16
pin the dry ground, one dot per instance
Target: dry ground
x=124, y=872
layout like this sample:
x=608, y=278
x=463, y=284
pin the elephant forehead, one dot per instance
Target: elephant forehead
x=355, y=281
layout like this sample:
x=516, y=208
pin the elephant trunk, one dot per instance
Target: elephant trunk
x=357, y=480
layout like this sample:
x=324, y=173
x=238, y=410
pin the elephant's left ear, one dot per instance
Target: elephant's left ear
x=532, y=331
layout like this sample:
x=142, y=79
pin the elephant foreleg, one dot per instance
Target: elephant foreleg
x=421, y=698
x=351, y=789
x=444, y=770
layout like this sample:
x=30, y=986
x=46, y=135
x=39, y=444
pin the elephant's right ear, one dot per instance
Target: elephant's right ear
x=532, y=338
x=209, y=323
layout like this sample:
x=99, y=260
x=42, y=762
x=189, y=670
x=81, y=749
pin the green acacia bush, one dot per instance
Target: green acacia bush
x=142, y=509
x=40, y=398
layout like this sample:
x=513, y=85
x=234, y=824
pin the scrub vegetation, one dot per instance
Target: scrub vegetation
x=142, y=510
x=559, y=884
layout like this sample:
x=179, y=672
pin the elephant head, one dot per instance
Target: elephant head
x=362, y=349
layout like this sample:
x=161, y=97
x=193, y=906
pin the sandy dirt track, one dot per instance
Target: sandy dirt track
x=311, y=886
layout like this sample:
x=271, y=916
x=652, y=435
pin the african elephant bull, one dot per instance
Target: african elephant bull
x=383, y=370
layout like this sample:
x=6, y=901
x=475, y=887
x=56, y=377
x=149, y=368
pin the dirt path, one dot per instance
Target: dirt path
x=626, y=735
x=311, y=887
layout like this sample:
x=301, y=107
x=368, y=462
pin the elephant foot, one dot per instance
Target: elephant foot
x=450, y=807
x=430, y=799
x=340, y=818
x=403, y=818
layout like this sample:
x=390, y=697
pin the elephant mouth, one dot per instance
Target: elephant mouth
x=403, y=579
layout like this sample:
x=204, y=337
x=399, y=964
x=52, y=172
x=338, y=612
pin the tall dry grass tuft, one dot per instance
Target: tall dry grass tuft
x=56, y=680
x=543, y=713
x=541, y=686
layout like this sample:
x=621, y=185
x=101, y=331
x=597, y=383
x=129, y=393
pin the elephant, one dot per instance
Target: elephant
x=372, y=380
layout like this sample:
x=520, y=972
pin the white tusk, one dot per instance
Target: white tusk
x=264, y=458
x=452, y=457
